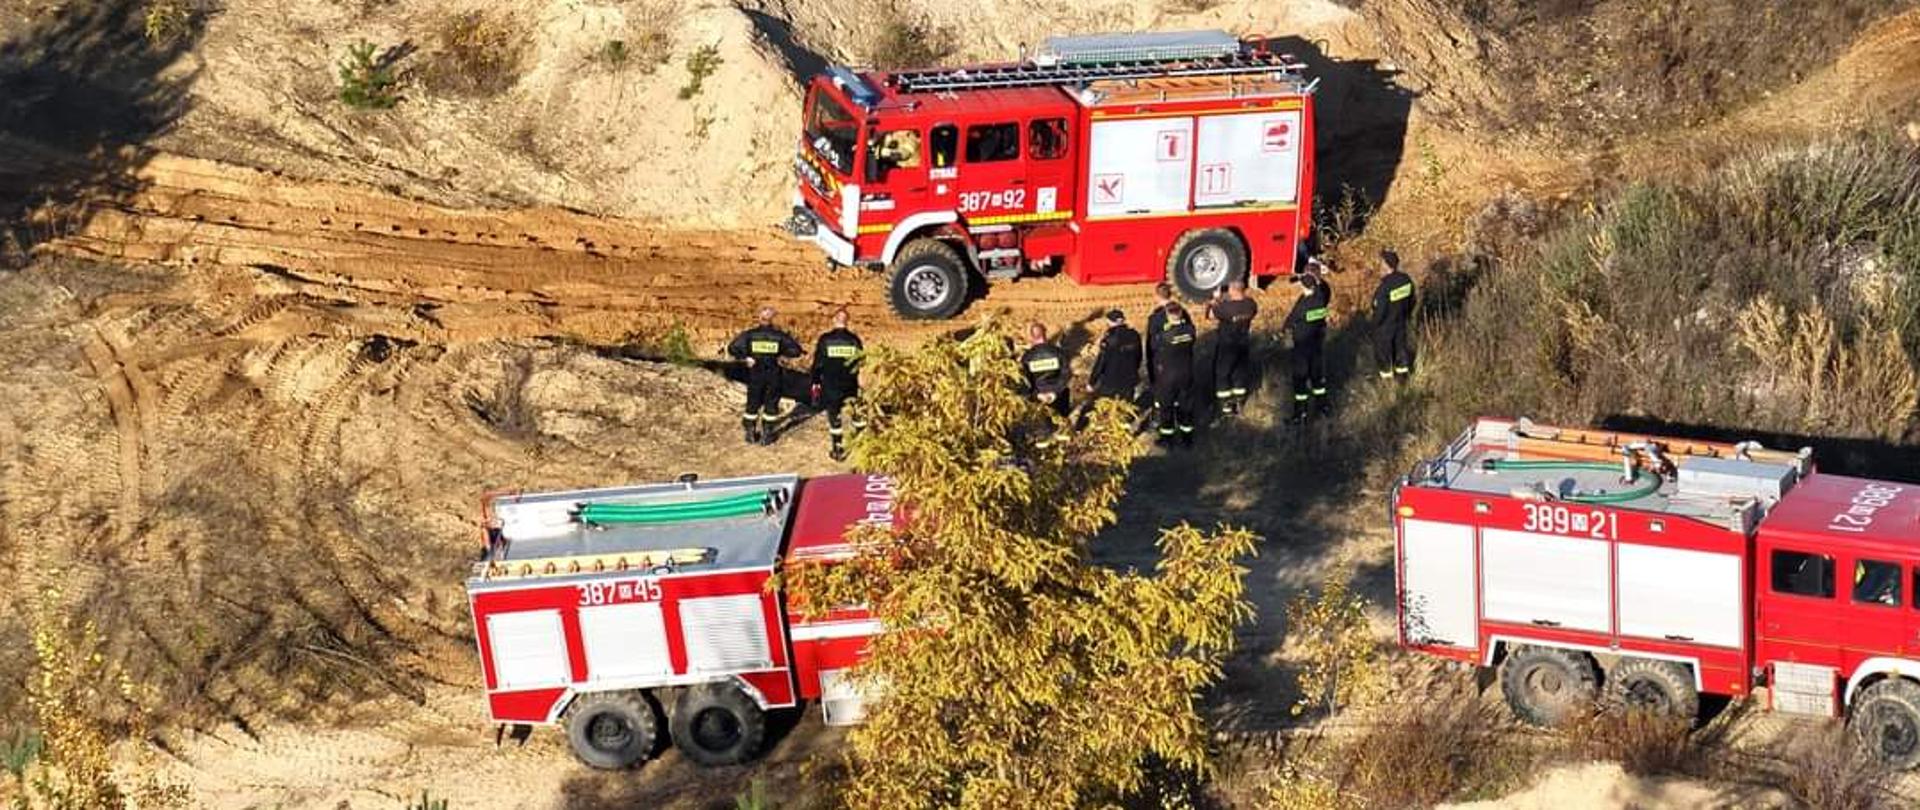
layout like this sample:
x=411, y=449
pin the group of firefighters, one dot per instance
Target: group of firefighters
x=1166, y=353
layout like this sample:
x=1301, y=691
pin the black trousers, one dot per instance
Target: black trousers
x=835, y=402
x=1173, y=398
x=1309, y=370
x=763, y=394
x=1232, y=369
x=1393, y=349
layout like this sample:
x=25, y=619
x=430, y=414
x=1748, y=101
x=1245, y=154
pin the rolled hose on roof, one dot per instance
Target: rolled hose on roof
x=591, y=513
x=755, y=498
x=1647, y=483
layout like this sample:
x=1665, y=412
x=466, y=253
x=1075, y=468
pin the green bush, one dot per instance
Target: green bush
x=366, y=80
x=700, y=64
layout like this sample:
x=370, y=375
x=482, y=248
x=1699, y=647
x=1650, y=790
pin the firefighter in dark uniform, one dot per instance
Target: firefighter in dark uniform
x=1049, y=374
x=1233, y=349
x=1392, y=316
x=763, y=347
x=1173, y=375
x=836, y=379
x=1116, y=369
x=1156, y=321
x=1307, y=330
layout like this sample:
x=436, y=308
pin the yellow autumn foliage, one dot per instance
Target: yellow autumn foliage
x=1017, y=673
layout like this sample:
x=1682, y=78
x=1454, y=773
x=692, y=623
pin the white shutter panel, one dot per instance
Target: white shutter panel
x=529, y=650
x=725, y=633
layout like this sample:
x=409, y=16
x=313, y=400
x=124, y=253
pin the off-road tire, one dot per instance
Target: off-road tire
x=1546, y=686
x=613, y=730
x=928, y=281
x=1885, y=722
x=1204, y=261
x=1662, y=687
x=716, y=725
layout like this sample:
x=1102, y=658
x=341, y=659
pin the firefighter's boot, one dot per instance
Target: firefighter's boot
x=751, y=427
x=1300, y=406
x=836, y=450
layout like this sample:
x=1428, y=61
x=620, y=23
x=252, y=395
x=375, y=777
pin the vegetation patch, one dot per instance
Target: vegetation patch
x=475, y=54
x=904, y=44
x=368, y=81
x=700, y=64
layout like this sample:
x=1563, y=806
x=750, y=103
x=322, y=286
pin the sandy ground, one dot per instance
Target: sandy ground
x=254, y=443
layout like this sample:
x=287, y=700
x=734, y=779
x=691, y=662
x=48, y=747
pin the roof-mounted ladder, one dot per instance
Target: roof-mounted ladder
x=1027, y=74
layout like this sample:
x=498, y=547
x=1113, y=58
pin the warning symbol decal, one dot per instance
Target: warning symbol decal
x=1279, y=133
x=1108, y=189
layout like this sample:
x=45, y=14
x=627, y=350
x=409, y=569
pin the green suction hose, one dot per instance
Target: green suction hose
x=1646, y=484
x=750, y=503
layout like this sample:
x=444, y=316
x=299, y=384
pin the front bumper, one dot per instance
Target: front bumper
x=806, y=226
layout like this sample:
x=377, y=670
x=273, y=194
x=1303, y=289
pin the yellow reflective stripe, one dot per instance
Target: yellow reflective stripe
x=842, y=351
x=1400, y=293
x=1180, y=339
x=764, y=347
x=1007, y=219
x=1044, y=364
x=880, y=228
x=1316, y=314
x=1283, y=104
x=1202, y=212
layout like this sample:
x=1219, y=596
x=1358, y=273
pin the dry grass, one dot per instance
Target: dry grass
x=1776, y=295
x=901, y=43
x=1644, y=743
x=475, y=54
x=1827, y=771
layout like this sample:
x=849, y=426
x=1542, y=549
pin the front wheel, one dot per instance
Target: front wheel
x=927, y=281
x=1885, y=722
x=1205, y=261
x=717, y=724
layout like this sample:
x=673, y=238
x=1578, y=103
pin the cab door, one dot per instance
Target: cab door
x=896, y=174
x=1799, y=605
x=992, y=184
x=1876, y=620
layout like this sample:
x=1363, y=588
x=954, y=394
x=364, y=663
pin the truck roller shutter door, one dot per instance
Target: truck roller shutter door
x=625, y=641
x=1438, y=581
x=1678, y=595
x=1546, y=580
x=529, y=650
x=725, y=633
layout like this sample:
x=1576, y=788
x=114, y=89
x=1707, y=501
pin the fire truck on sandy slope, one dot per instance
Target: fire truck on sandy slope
x=626, y=612
x=1114, y=158
x=1650, y=571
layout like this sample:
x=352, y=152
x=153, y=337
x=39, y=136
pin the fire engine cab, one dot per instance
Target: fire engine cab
x=1648, y=571
x=619, y=612
x=1113, y=159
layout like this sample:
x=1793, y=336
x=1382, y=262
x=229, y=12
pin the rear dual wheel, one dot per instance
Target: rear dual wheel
x=928, y=281
x=718, y=724
x=1204, y=261
x=613, y=730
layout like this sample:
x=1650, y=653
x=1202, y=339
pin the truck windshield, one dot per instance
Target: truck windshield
x=832, y=131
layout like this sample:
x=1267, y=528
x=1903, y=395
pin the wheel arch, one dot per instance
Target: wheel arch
x=1499, y=647
x=924, y=224
x=1875, y=670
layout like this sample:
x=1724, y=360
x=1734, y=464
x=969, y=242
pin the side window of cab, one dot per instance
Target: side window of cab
x=1800, y=573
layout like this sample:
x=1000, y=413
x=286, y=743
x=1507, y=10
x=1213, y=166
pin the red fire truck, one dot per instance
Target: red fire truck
x=1115, y=158
x=618, y=612
x=1649, y=571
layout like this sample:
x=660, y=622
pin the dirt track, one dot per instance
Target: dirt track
x=420, y=272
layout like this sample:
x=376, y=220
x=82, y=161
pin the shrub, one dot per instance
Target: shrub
x=475, y=54
x=700, y=64
x=1827, y=770
x=366, y=81
x=1644, y=743
x=1341, y=661
x=427, y=802
x=166, y=21
x=900, y=44
x=754, y=797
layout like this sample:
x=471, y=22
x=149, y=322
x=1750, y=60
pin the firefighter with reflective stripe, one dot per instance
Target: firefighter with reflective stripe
x=762, y=347
x=1392, y=313
x=1173, y=375
x=1233, y=349
x=1049, y=374
x=1116, y=369
x=1307, y=330
x=1156, y=321
x=836, y=379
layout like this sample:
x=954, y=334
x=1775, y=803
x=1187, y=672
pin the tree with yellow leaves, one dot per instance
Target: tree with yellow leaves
x=1015, y=672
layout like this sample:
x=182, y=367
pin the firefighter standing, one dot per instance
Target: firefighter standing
x=1048, y=373
x=1156, y=321
x=1233, y=350
x=1307, y=329
x=1392, y=314
x=836, y=379
x=762, y=347
x=1173, y=375
x=1116, y=369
